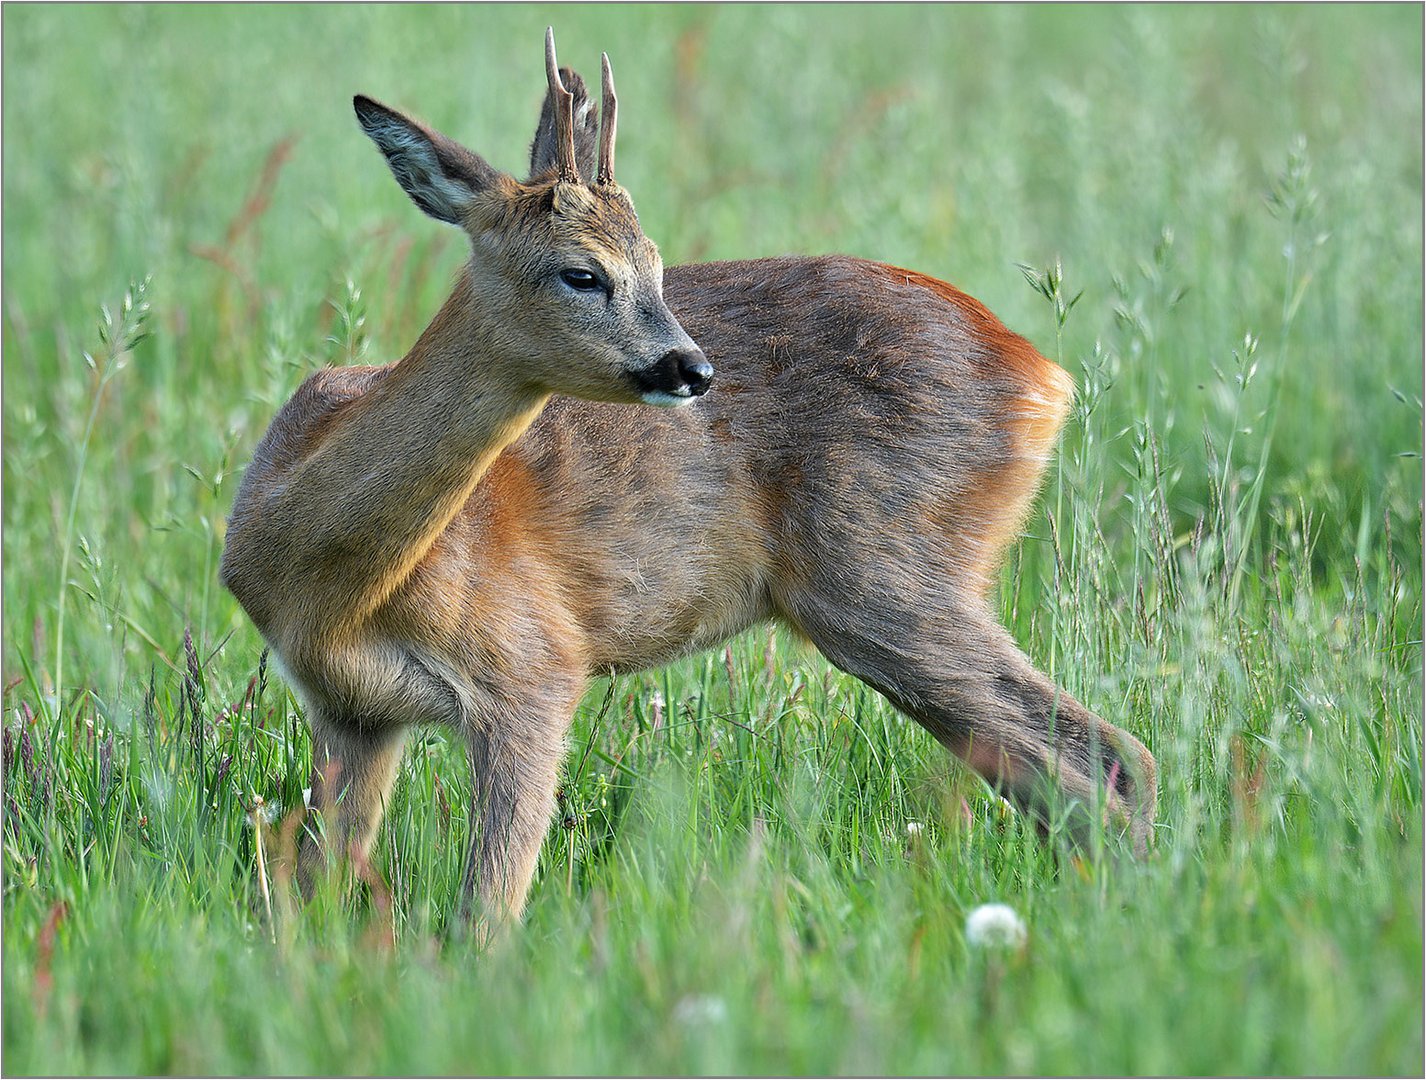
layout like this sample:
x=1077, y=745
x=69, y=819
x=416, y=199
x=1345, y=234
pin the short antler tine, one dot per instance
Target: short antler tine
x=608, y=123
x=564, y=114
x=552, y=67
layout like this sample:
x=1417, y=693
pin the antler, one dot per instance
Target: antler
x=564, y=114
x=608, y=114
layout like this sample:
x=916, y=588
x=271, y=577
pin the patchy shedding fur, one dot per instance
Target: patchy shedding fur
x=466, y=536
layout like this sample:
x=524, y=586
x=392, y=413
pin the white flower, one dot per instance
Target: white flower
x=700, y=1009
x=992, y=926
x=264, y=811
x=914, y=829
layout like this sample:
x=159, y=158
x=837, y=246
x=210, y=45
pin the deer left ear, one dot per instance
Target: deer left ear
x=441, y=176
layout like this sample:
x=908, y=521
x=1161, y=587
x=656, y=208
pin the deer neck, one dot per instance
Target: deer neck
x=460, y=385
x=408, y=456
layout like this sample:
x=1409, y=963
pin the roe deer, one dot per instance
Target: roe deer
x=468, y=535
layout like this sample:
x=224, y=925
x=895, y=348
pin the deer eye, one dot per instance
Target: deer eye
x=581, y=280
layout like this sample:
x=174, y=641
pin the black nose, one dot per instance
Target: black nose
x=693, y=368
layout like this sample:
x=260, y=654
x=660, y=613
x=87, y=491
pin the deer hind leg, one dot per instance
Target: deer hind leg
x=353, y=771
x=957, y=672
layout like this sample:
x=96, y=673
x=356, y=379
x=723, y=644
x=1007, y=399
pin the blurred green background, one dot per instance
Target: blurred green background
x=1228, y=561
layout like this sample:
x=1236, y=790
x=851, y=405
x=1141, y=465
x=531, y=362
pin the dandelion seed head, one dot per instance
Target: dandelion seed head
x=995, y=926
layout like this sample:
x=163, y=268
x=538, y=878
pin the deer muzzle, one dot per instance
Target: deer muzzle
x=676, y=378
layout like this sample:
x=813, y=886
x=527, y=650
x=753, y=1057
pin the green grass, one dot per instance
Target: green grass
x=1227, y=560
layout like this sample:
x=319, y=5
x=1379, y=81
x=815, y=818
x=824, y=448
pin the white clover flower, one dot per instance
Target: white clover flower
x=995, y=926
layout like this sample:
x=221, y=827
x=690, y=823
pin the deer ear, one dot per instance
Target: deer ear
x=441, y=176
x=586, y=130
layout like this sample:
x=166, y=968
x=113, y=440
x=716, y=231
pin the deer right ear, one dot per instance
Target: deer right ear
x=441, y=176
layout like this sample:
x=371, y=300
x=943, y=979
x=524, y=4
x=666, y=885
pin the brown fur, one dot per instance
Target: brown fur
x=1033, y=415
x=459, y=538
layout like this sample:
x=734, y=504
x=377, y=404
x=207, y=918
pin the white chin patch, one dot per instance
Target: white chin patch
x=666, y=400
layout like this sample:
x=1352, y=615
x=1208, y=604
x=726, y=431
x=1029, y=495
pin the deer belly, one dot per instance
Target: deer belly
x=647, y=611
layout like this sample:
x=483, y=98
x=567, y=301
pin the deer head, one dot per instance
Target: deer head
x=560, y=270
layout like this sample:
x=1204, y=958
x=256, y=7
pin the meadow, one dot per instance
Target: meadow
x=1211, y=216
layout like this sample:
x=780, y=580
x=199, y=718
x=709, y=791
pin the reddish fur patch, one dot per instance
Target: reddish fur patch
x=474, y=571
x=993, y=762
x=1001, y=502
x=514, y=498
x=1014, y=353
x=998, y=505
x=524, y=537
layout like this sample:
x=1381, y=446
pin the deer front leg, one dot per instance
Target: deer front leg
x=516, y=767
x=353, y=771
